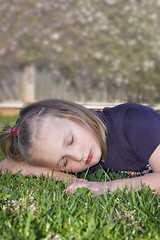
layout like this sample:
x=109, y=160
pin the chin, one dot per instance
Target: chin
x=96, y=162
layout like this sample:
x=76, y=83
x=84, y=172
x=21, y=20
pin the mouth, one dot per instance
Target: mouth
x=89, y=157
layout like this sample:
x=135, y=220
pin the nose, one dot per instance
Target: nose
x=74, y=154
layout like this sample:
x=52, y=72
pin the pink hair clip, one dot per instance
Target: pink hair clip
x=15, y=131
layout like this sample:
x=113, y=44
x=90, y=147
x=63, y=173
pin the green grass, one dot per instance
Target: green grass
x=37, y=208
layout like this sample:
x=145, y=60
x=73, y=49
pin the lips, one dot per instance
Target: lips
x=89, y=157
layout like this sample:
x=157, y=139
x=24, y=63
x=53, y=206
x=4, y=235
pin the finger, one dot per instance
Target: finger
x=72, y=187
x=72, y=191
x=82, y=180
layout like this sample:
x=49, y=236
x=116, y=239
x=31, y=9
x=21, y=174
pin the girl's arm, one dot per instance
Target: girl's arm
x=26, y=170
x=152, y=180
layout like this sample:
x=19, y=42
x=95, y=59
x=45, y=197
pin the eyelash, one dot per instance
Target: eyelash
x=72, y=140
x=65, y=160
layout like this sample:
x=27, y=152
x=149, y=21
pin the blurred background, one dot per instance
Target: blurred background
x=103, y=51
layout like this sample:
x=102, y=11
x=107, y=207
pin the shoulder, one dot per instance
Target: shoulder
x=133, y=112
x=129, y=112
x=141, y=116
x=136, y=117
x=129, y=108
x=130, y=116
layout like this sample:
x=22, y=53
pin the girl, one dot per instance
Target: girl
x=66, y=137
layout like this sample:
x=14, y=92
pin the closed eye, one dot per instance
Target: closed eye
x=70, y=140
x=64, y=161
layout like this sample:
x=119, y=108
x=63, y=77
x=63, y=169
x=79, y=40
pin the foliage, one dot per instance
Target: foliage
x=103, y=44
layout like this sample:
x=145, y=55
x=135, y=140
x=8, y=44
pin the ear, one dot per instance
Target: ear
x=154, y=160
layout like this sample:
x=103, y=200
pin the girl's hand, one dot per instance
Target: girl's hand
x=97, y=187
x=66, y=177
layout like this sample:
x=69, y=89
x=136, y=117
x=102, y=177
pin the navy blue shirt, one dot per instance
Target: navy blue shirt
x=133, y=135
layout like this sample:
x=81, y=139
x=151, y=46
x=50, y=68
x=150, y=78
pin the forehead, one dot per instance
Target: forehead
x=48, y=139
x=51, y=128
x=56, y=124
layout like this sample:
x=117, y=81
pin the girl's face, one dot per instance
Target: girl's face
x=62, y=144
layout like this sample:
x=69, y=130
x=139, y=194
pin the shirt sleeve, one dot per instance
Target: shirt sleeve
x=142, y=130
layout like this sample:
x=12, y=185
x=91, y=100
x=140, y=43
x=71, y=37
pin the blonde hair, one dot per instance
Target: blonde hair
x=18, y=147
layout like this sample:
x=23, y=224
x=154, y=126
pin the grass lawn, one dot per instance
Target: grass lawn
x=37, y=208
